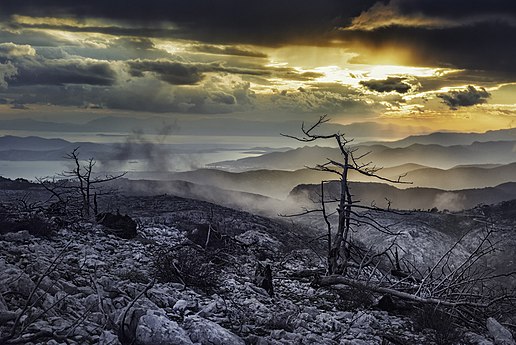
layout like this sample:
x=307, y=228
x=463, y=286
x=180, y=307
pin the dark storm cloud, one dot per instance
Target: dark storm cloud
x=175, y=73
x=230, y=21
x=387, y=85
x=228, y=50
x=482, y=46
x=33, y=71
x=456, y=8
x=137, y=31
x=464, y=34
x=434, y=14
x=33, y=38
x=465, y=98
x=138, y=94
x=186, y=73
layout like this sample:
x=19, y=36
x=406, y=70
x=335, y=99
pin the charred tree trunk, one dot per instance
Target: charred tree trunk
x=339, y=252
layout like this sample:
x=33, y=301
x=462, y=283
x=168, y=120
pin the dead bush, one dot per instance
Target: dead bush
x=353, y=298
x=441, y=323
x=186, y=265
x=35, y=224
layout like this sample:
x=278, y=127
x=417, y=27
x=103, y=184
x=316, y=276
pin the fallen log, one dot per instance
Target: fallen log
x=336, y=280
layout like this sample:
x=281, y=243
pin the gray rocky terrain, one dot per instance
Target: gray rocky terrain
x=82, y=284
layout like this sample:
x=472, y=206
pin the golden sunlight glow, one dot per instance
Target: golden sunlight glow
x=384, y=71
x=462, y=120
x=334, y=74
x=310, y=57
x=353, y=76
x=170, y=47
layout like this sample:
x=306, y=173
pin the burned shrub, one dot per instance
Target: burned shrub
x=35, y=224
x=354, y=298
x=186, y=265
x=442, y=323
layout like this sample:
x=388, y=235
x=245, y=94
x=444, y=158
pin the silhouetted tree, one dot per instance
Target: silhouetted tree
x=79, y=186
x=339, y=244
x=463, y=288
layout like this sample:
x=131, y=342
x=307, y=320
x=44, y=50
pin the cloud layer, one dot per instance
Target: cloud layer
x=353, y=59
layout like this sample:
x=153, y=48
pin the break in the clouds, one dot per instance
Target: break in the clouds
x=355, y=60
x=464, y=98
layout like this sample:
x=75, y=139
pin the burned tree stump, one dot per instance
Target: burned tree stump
x=206, y=236
x=120, y=225
x=263, y=278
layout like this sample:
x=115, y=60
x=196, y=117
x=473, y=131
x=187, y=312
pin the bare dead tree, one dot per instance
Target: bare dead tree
x=464, y=288
x=80, y=186
x=339, y=244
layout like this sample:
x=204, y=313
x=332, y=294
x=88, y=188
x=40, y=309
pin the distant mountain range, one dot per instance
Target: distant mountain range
x=208, y=126
x=451, y=138
x=278, y=183
x=462, y=177
x=275, y=173
x=32, y=148
x=443, y=157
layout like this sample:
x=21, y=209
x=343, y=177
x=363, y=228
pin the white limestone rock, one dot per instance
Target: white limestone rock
x=155, y=328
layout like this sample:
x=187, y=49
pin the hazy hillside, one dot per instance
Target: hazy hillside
x=273, y=183
x=236, y=199
x=410, y=198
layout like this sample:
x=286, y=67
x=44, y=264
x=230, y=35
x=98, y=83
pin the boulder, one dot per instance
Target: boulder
x=204, y=331
x=108, y=338
x=182, y=306
x=500, y=334
x=475, y=339
x=120, y=225
x=155, y=328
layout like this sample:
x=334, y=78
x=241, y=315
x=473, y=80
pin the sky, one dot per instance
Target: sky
x=407, y=66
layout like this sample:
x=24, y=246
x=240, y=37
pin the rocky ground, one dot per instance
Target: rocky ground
x=84, y=285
